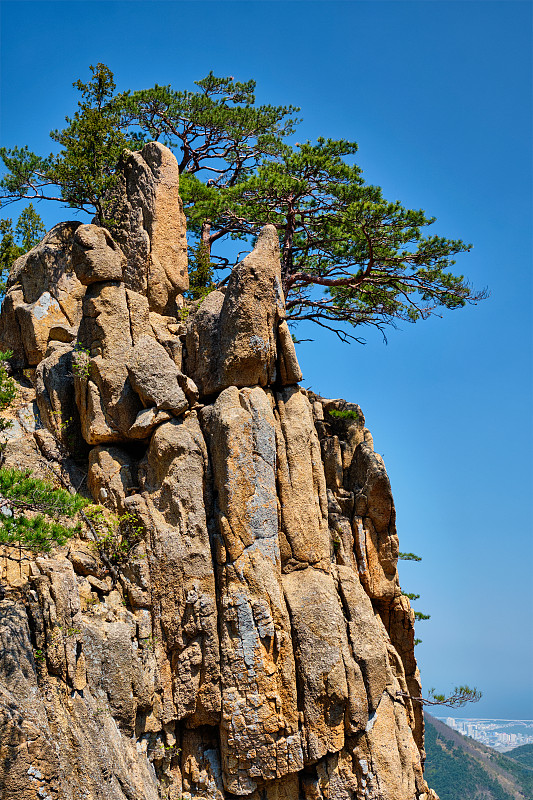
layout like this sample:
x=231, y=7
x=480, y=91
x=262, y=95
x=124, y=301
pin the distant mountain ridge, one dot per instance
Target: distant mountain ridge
x=459, y=768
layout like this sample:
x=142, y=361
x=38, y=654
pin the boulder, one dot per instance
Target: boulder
x=112, y=472
x=146, y=422
x=95, y=256
x=373, y=523
x=36, y=320
x=203, y=345
x=154, y=376
x=43, y=294
x=289, y=369
x=332, y=690
x=163, y=328
x=304, y=535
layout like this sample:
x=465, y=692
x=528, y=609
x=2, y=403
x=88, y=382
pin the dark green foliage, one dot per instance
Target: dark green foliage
x=32, y=511
x=39, y=531
x=28, y=232
x=411, y=595
x=200, y=273
x=8, y=387
x=84, y=171
x=218, y=128
x=116, y=536
x=409, y=557
x=8, y=391
x=36, y=533
x=457, y=775
x=370, y=256
x=454, y=774
x=521, y=770
x=29, y=229
x=419, y=615
x=371, y=259
x=343, y=413
x=21, y=488
x=522, y=754
x=92, y=143
x=9, y=251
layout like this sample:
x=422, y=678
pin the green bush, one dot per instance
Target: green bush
x=32, y=512
x=343, y=413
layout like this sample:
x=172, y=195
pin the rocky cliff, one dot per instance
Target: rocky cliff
x=253, y=641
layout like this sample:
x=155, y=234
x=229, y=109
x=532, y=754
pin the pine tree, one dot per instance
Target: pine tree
x=28, y=232
x=33, y=513
x=84, y=171
x=350, y=258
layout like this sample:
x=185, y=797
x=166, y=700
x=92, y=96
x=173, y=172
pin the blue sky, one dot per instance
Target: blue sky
x=438, y=97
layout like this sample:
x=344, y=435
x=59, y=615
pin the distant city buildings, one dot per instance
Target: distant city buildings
x=500, y=734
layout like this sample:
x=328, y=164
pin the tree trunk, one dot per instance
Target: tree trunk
x=206, y=236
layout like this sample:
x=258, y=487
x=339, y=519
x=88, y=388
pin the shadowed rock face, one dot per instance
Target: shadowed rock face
x=254, y=641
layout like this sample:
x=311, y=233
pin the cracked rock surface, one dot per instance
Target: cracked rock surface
x=253, y=642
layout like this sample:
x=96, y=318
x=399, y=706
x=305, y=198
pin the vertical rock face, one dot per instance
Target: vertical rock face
x=250, y=639
x=149, y=225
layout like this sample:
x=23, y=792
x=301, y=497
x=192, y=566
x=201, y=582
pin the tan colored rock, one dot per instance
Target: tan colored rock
x=154, y=376
x=399, y=620
x=150, y=226
x=146, y=422
x=35, y=321
x=203, y=343
x=366, y=638
x=163, y=328
x=10, y=331
x=260, y=739
x=62, y=333
x=173, y=478
x=232, y=340
x=302, y=488
x=111, y=474
x=201, y=768
x=392, y=758
x=84, y=559
x=43, y=293
x=106, y=401
x=289, y=369
x=94, y=426
x=252, y=309
x=139, y=315
x=374, y=523
x=348, y=428
x=96, y=256
x=331, y=683
x=240, y=630
x=54, y=385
